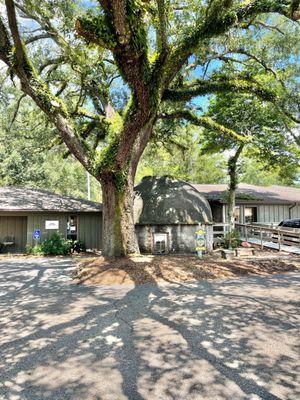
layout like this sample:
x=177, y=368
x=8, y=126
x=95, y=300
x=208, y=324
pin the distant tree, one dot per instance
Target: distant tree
x=28, y=158
x=105, y=85
x=265, y=134
x=180, y=158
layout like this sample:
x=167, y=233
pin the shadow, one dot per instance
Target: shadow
x=230, y=339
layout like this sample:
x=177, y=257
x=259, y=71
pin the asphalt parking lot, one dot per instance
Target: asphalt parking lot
x=228, y=339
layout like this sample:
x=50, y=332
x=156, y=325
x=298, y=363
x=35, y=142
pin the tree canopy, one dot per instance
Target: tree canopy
x=103, y=73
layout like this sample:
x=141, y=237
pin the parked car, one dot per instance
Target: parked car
x=290, y=223
x=291, y=235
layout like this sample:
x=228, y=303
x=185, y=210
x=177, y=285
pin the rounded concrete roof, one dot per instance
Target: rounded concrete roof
x=166, y=201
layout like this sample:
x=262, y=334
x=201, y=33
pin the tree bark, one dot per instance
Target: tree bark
x=233, y=182
x=119, y=238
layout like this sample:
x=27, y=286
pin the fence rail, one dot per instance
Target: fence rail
x=279, y=236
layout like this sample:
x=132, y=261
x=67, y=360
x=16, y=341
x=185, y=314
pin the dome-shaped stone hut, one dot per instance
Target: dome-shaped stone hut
x=168, y=212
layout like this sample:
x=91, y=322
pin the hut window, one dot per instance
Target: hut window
x=72, y=227
x=250, y=215
x=237, y=214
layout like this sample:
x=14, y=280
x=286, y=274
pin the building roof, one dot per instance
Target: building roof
x=247, y=193
x=20, y=199
x=165, y=201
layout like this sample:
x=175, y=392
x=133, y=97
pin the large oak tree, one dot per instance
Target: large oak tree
x=103, y=73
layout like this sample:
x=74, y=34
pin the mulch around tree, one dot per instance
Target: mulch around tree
x=144, y=269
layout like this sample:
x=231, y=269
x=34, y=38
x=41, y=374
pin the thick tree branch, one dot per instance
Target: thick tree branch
x=38, y=37
x=205, y=122
x=162, y=35
x=201, y=87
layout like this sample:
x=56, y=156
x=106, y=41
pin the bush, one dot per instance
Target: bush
x=2, y=248
x=34, y=250
x=56, y=246
x=231, y=240
x=78, y=246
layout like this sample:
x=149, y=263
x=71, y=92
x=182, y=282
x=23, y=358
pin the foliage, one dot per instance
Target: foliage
x=231, y=240
x=34, y=250
x=87, y=64
x=180, y=158
x=78, y=246
x=56, y=245
x=2, y=248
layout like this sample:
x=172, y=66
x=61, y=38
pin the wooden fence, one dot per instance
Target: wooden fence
x=263, y=234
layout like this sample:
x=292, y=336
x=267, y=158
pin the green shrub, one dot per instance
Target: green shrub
x=78, y=246
x=34, y=250
x=56, y=246
x=2, y=248
x=231, y=240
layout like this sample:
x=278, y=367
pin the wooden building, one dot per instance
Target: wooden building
x=25, y=213
x=254, y=204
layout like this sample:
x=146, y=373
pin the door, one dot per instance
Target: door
x=13, y=234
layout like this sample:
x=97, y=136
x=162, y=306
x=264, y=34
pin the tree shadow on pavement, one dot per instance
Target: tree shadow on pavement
x=230, y=339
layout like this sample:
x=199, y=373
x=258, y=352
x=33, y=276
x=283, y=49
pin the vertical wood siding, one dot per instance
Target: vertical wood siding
x=90, y=230
x=14, y=227
x=38, y=220
x=268, y=213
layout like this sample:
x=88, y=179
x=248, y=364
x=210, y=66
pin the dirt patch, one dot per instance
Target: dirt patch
x=174, y=269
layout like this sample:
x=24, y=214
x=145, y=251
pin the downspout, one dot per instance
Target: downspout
x=290, y=210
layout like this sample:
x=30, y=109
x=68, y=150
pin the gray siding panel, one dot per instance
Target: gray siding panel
x=90, y=230
x=38, y=220
x=14, y=227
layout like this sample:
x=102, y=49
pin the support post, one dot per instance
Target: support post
x=261, y=239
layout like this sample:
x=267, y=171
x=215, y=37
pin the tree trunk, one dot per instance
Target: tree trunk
x=119, y=238
x=233, y=182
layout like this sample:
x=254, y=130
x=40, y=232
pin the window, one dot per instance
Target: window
x=250, y=215
x=237, y=214
x=72, y=227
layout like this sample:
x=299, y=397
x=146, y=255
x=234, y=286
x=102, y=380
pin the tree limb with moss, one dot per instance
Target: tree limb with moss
x=105, y=125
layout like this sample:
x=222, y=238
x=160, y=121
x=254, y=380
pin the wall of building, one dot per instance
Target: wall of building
x=13, y=231
x=295, y=212
x=181, y=238
x=89, y=227
x=268, y=213
x=38, y=221
x=90, y=230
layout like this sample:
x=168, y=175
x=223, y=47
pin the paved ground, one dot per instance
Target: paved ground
x=234, y=339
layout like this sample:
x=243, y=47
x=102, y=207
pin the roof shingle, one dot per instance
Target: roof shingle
x=35, y=200
x=267, y=194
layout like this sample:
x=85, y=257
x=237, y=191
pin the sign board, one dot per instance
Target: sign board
x=200, y=241
x=36, y=234
x=51, y=224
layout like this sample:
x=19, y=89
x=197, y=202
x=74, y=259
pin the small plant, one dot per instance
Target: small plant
x=34, y=250
x=78, y=246
x=231, y=240
x=56, y=246
x=2, y=248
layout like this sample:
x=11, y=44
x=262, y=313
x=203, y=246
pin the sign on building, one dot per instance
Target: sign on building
x=51, y=224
